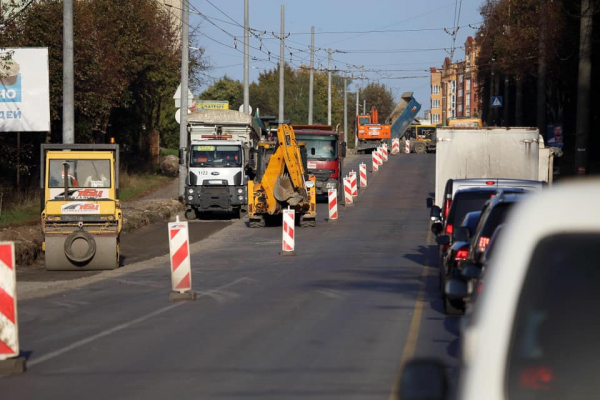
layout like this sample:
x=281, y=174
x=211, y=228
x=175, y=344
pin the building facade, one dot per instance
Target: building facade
x=454, y=87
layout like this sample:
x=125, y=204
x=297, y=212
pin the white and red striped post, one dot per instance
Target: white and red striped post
x=395, y=146
x=380, y=159
x=375, y=163
x=384, y=152
x=10, y=362
x=181, y=265
x=362, y=169
x=407, y=146
x=354, y=183
x=348, y=199
x=288, y=242
x=333, y=211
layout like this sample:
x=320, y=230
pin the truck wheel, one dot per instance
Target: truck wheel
x=420, y=148
x=190, y=214
x=238, y=213
x=84, y=249
x=256, y=223
x=453, y=307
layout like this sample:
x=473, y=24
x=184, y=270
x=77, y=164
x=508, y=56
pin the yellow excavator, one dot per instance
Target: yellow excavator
x=282, y=181
x=81, y=212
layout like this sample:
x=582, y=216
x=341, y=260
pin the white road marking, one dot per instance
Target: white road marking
x=126, y=325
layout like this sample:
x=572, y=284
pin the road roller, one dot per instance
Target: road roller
x=80, y=209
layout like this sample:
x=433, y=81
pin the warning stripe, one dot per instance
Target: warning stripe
x=7, y=306
x=289, y=230
x=5, y=349
x=6, y=255
x=180, y=255
x=185, y=283
x=173, y=232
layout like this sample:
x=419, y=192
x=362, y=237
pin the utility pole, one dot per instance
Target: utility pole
x=312, y=75
x=345, y=110
x=281, y=66
x=185, y=17
x=68, y=134
x=584, y=80
x=356, y=117
x=246, y=108
x=364, y=106
x=357, y=99
x=329, y=87
x=541, y=78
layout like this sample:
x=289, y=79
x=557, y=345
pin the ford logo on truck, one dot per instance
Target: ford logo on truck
x=214, y=173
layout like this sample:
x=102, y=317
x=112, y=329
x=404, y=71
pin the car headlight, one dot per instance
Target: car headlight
x=190, y=197
x=240, y=190
x=190, y=191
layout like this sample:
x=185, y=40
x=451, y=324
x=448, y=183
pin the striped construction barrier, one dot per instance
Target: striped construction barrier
x=395, y=146
x=384, y=152
x=353, y=183
x=380, y=157
x=333, y=209
x=374, y=160
x=10, y=362
x=181, y=265
x=288, y=242
x=348, y=199
x=377, y=159
x=362, y=169
x=407, y=146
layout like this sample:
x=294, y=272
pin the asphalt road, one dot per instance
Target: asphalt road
x=333, y=322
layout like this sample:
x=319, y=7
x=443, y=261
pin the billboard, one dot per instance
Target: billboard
x=24, y=90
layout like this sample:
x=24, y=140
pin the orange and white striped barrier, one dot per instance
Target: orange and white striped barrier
x=354, y=183
x=288, y=242
x=407, y=146
x=362, y=169
x=348, y=199
x=374, y=160
x=395, y=146
x=10, y=362
x=384, y=152
x=380, y=159
x=181, y=265
x=333, y=209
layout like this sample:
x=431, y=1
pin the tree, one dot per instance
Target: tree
x=379, y=96
x=225, y=89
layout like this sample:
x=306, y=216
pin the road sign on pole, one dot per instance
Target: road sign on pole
x=496, y=101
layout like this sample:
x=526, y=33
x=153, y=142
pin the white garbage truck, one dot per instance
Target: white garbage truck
x=220, y=159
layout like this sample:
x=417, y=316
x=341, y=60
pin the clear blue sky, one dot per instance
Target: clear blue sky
x=415, y=39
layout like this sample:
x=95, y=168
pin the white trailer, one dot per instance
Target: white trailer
x=509, y=153
x=220, y=160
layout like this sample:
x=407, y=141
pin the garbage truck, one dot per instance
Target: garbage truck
x=220, y=159
x=81, y=217
x=281, y=181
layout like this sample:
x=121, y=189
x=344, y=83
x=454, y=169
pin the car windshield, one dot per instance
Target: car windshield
x=554, y=352
x=319, y=148
x=467, y=202
x=215, y=156
x=496, y=217
x=81, y=173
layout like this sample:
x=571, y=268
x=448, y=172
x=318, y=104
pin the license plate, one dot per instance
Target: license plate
x=312, y=164
x=330, y=185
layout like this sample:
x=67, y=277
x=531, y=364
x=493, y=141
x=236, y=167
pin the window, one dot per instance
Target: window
x=468, y=85
x=460, y=108
x=452, y=114
x=435, y=103
x=452, y=101
x=460, y=79
x=468, y=100
x=452, y=86
x=215, y=156
x=468, y=112
x=435, y=89
x=460, y=92
x=81, y=173
x=435, y=118
x=554, y=352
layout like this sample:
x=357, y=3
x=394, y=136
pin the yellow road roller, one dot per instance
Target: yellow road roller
x=81, y=212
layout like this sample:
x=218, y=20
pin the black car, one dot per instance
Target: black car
x=450, y=266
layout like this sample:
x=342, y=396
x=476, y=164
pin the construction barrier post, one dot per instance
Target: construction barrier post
x=288, y=242
x=407, y=146
x=384, y=152
x=362, y=169
x=181, y=265
x=348, y=199
x=375, y=163
x=333, y=210
x=380, y=156
x=354, y=183
x=10, y=362
x=395, y=146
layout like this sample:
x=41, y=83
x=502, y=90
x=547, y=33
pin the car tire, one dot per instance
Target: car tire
x=420, y=148
x=453, y=307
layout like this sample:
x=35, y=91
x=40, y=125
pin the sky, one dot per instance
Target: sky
x=413, y=36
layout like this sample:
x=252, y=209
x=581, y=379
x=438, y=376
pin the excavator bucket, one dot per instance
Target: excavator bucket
x=284, y=191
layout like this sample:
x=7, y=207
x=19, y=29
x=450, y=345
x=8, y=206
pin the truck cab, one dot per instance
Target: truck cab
x=325, y=152
x=216, y=177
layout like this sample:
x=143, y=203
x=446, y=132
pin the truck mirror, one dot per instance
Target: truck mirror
x=193, y=178
x=344, y=146
x=429, y=202
x=436, y=213
x=312, y=151
x=181, y=156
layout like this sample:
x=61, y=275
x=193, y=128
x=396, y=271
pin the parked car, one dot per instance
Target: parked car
x=458, y=252
x=534, y=331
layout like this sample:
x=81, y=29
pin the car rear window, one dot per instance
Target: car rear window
x=555, y=350
x=496, y=216
x=464, y=203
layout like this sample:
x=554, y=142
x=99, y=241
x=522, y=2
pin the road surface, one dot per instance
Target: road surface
x=333, y=322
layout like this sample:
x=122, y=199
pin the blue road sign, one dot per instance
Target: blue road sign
x=496, y=101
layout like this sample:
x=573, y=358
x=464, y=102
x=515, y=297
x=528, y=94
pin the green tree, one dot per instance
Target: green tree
x=225, y=89
x=379, y=96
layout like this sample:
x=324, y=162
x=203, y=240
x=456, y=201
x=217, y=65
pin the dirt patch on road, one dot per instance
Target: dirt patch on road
x=28, y=239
